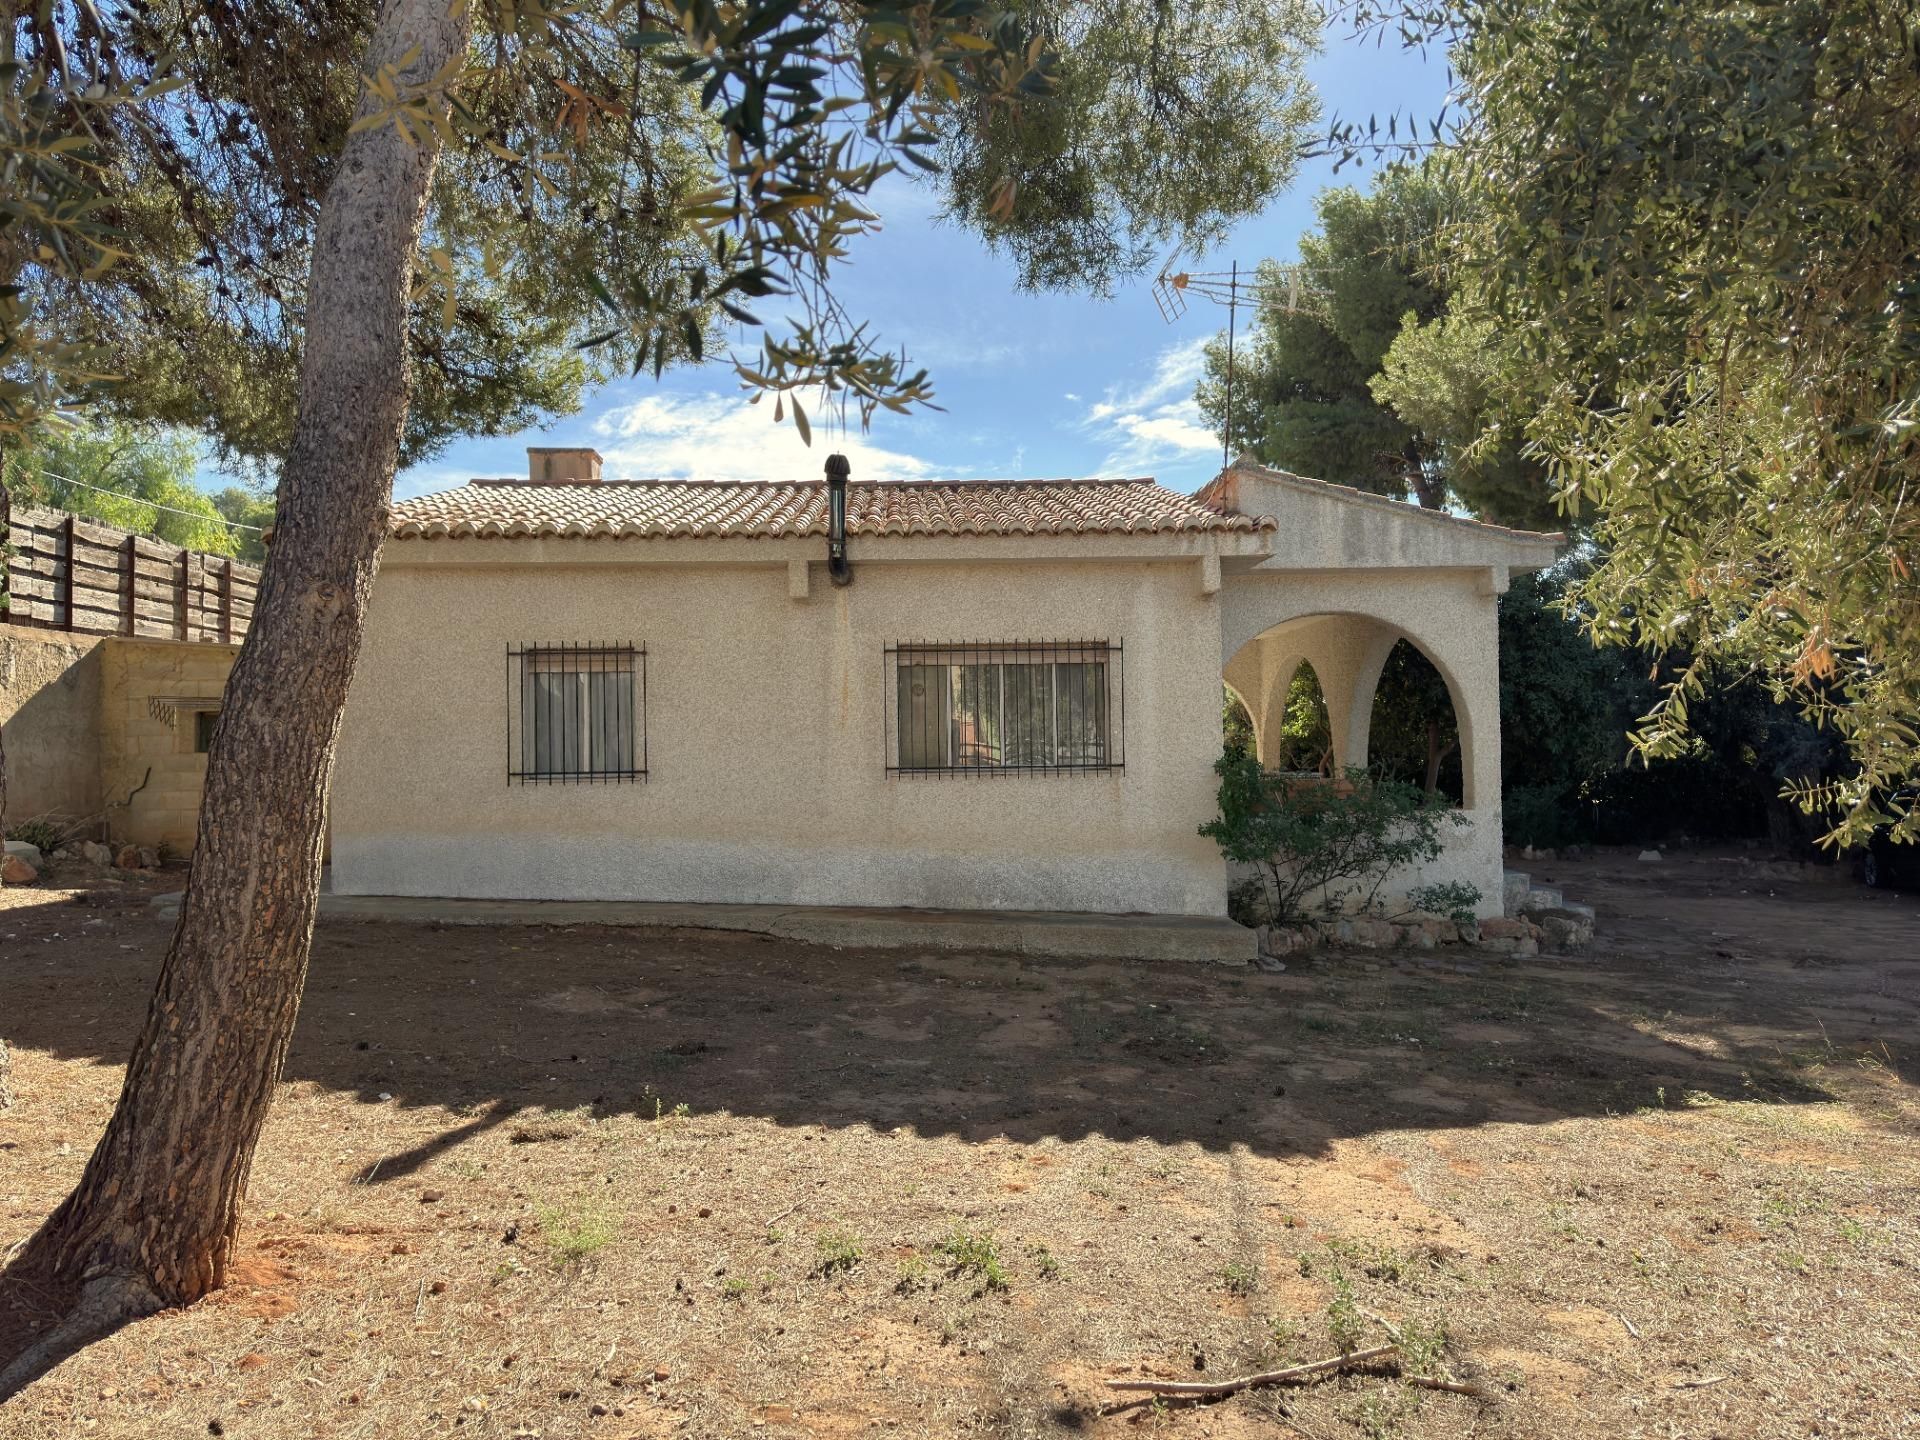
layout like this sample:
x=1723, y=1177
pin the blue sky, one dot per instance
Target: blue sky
x=1033, y=385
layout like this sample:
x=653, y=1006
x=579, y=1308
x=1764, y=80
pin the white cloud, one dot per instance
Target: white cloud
x=428, y=479
x=718, y=437
x=1157, y=421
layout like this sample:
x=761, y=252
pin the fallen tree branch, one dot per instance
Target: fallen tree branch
x=1442, y=1381
x=1393, y=1330
x=1207, y=1389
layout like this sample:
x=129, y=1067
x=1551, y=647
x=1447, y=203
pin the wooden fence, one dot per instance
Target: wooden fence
x=65, y=573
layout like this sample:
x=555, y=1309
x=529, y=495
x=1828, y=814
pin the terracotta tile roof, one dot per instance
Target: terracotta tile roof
x=661, y=509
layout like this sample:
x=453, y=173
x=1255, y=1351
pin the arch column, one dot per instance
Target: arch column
x=1347, y=653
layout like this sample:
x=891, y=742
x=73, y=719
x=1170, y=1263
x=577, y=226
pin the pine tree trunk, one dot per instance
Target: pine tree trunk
x=153, y=1219
x=1436, y=755
x=1431, y=494
x=6, y=522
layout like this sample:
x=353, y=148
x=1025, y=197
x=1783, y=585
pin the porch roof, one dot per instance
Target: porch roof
x=1335, y=527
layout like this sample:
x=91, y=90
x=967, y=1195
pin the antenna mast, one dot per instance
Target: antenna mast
x=1281, y=287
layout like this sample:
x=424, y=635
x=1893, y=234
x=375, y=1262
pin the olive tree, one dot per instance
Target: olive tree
x=1690, y=252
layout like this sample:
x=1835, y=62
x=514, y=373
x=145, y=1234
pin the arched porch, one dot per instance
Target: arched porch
x=1347, y=654
x=1346, y=627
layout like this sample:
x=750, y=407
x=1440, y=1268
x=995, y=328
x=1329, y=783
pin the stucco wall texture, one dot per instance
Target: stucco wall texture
x=767, y=695
x=49, y=720
x=765, y=734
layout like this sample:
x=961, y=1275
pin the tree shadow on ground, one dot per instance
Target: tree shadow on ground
x=490, y=1022
x=1804, y=998
x=505, y=1026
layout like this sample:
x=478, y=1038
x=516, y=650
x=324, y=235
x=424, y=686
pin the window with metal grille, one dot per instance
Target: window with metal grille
x=979, y=709
x=576, y=714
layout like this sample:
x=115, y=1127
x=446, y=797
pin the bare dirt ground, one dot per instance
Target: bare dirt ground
x=603, y=1183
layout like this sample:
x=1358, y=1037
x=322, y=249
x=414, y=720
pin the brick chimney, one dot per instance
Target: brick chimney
x=562, y=465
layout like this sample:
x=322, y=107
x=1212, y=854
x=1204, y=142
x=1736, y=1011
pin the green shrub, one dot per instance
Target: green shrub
x=1339, y=841
x=40, y=832
x=1455, y=899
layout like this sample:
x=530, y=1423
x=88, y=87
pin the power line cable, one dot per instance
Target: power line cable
x=152, y=504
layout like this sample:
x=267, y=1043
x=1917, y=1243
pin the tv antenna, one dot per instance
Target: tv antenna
x=1281, y=287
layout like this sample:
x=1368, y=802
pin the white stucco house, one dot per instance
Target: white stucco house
x=972, y=695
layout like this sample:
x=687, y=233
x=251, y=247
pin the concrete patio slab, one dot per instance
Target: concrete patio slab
x=1191, y=938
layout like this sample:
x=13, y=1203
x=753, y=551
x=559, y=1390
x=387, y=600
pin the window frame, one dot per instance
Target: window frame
x=1105, y=708
x=582, y=660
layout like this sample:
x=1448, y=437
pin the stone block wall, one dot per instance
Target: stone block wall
x=150, y=766
x=50, y=722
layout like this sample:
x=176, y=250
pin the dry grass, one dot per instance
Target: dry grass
x=624, y=1184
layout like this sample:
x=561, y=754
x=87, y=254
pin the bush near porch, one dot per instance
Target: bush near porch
x=1326, y=846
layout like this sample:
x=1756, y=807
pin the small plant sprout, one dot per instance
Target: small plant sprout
x=1423, y=1345
x=1239, y=1278
x=1282, y=1334
x=1453, y=899
x=838, y=1250
x=574, y=1232
x=1345, y=1327
x=1045, y=1261
x=912, y=1274
x=975, y=1254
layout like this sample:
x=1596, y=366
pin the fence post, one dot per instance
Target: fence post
x=226, y=603
x=133, y=570
x=66, y=589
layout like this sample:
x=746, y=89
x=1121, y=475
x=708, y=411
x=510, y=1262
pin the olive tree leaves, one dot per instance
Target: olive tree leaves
x=1695, y=251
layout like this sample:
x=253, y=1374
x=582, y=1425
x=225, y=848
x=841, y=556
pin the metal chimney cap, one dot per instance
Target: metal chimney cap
x=838, y=467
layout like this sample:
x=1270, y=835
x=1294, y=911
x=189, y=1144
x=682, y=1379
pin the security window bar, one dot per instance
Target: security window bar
x=1001, y=709
x=576, y=714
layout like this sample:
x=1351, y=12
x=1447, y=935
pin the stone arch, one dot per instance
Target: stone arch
x=1349, y=649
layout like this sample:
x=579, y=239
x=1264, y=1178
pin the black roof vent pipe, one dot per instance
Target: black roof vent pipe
x=837, y=567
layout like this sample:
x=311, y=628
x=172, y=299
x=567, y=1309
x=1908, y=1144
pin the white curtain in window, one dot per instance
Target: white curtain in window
x=576, y=721
x=963, y=713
